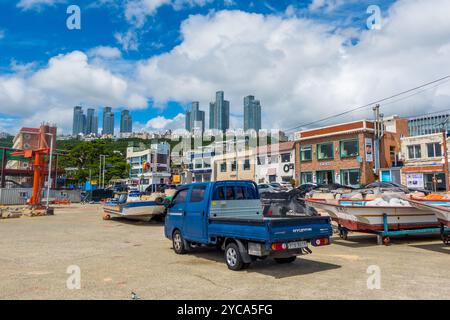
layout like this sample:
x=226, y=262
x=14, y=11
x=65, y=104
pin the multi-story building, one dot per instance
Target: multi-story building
x=91, y=122
x=276, y=163
x=195, y=118
x=219, y=113
x=344, y=153
x=32, y=139
x=79, y=121
x=234, y=161
x=149, y=167
x=126, y=122
x=198, y=166
x=423, y=162
x=252, y=114
x=429, y=123
x=108, y=121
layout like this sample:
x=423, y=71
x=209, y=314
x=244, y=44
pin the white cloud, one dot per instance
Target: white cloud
x=49, y=93
x=301, y=69
x=128, y=40
x=161, y=123
x=105, y=52
x=37, y=4
x=137, y=11
x=326, y=5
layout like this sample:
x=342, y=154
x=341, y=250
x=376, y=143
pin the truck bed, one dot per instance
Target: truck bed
x=270, y=229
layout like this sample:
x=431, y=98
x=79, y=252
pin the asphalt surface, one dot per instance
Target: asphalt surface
x=118, y=257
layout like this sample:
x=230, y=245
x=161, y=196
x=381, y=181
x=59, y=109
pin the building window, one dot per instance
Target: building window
x=306, y=177
x=272, y=159
x=233, y=166
x=349, y=148
x=246, y=165
x=306, y=153
x=198, y=165
x=223, y=167
x=325, y=177
x=434, y=150
x=325, y=151
x=261, y=160
x=286, y=157
x=350, y=177
x=414, y=152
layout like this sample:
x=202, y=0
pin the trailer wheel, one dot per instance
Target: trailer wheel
x=178, y=243
x=285, y=260
x=386, y=240
x=446, y=240
x=233, y=258
x=343, y=234
x=106, y=216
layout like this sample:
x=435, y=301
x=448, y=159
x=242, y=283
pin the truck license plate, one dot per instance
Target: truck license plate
x=297, y=244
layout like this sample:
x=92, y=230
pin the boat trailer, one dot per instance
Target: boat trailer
x=383, y=237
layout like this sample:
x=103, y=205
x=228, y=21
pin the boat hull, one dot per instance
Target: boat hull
x=439, y=208
x=135, y=210
x=367, y=218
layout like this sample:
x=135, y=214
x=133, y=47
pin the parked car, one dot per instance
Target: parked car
x=286, y=185
x=228, y=215
x=264, y=187
x=277, y=187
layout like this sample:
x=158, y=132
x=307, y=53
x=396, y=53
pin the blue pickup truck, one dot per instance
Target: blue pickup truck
x=229, y=216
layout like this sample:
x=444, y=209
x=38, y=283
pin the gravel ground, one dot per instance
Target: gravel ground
x=118, y=257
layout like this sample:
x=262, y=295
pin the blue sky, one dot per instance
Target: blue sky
x=32, y=32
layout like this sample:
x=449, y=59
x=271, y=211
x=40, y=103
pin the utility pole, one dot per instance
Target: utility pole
x=49, y=175
x=444, y=146
x=379, y=132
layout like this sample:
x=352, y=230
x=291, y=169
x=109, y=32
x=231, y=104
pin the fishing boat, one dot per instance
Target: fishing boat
x=358, y=216
x=135, y=207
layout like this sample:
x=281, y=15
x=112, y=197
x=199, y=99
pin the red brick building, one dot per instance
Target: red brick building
x=344, y=153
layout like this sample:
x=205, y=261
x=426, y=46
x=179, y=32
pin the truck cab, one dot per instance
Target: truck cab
x=229, y=215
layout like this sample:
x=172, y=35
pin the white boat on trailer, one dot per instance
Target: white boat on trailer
x=382, y=220
x=440, y=208
x=442, y=211
x=134, y=208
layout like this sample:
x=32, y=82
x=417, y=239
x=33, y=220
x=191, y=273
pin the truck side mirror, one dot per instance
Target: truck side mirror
x=168, y=203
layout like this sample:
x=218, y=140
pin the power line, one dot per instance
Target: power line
x=375, y=102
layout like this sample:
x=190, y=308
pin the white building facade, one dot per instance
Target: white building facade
x=151, y=166
x=276, y=163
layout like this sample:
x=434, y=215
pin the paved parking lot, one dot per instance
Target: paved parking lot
x=119, y=257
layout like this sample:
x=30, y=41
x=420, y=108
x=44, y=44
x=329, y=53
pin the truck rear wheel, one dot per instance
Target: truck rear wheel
x=178, y=243
x=285, y=260
x=233, y=258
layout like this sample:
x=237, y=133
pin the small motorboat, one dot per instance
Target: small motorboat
x=368, y=216
x=136, y=207
x=440, y=207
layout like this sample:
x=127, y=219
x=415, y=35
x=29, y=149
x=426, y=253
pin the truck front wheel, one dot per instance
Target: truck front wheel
x=233, y=258
x=285, y=260
x=178, y=243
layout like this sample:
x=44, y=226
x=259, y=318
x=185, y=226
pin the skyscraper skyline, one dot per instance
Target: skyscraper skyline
x=79, y=121
x=108, y=121
x=126, y=122
x=219, y=113
x=91, y=122
x=252, y=113
x=195, y=118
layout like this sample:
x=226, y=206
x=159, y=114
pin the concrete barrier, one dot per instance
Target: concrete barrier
x=19, y=196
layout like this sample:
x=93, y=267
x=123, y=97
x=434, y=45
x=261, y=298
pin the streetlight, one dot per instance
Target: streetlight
x=101, y=171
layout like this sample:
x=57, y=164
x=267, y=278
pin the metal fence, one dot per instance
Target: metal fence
x=21, y=195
